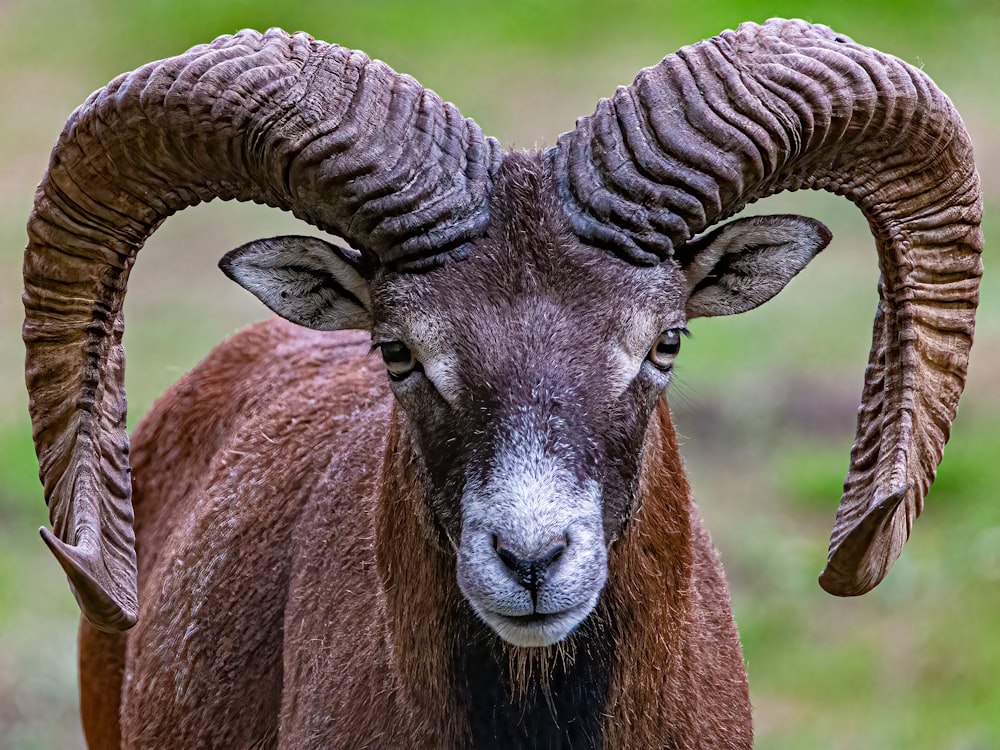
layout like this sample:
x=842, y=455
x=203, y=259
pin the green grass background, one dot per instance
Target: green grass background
x=765, y=401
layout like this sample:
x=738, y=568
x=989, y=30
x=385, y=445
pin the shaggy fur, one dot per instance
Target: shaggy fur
x=307, y=603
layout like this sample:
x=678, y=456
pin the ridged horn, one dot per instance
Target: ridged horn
x=339, y=140
x=784, y=106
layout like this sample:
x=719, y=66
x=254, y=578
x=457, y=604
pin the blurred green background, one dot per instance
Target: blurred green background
x=765, y=402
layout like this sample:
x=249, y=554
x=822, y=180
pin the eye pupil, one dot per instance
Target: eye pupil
x=668, y=347
x=395, y=351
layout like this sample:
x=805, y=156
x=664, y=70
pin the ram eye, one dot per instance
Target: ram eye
x=398, y=358
x=664, y=350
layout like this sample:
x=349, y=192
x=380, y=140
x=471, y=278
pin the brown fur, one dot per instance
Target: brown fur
x=678, y=678
x=102, y=666
x=308, y=602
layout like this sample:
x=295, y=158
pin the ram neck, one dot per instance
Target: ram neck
x=648, y=598
x=421, y=597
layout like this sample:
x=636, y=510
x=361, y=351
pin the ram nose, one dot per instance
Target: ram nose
x=530, y=569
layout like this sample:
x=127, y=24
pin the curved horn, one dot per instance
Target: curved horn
x=341, y=141
x=785, y=106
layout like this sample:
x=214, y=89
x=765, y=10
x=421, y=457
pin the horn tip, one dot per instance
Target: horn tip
x=863, y=557
x=98, y=604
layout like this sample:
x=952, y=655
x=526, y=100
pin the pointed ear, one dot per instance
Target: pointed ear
x=744, y=263
x=304, y=280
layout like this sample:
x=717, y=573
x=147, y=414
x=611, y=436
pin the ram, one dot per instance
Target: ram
x=491, y=543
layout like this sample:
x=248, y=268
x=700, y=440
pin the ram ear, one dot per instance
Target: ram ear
x=744, y=263
x=305, y=280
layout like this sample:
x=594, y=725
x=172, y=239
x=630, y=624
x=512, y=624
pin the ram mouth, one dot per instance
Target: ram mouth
x=532, y=618
x=537, y=629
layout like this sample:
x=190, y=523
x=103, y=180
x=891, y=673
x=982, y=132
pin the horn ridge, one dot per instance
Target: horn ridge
x=280, y=119
x=785, y=106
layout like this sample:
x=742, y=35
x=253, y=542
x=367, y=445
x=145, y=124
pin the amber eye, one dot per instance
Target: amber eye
x=398, y=358
x=664, y=350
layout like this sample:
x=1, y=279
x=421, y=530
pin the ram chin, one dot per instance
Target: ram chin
x=537, y=630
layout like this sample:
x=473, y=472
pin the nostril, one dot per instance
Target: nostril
x=529, y=572
x=510, y=559
x=554, y=554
